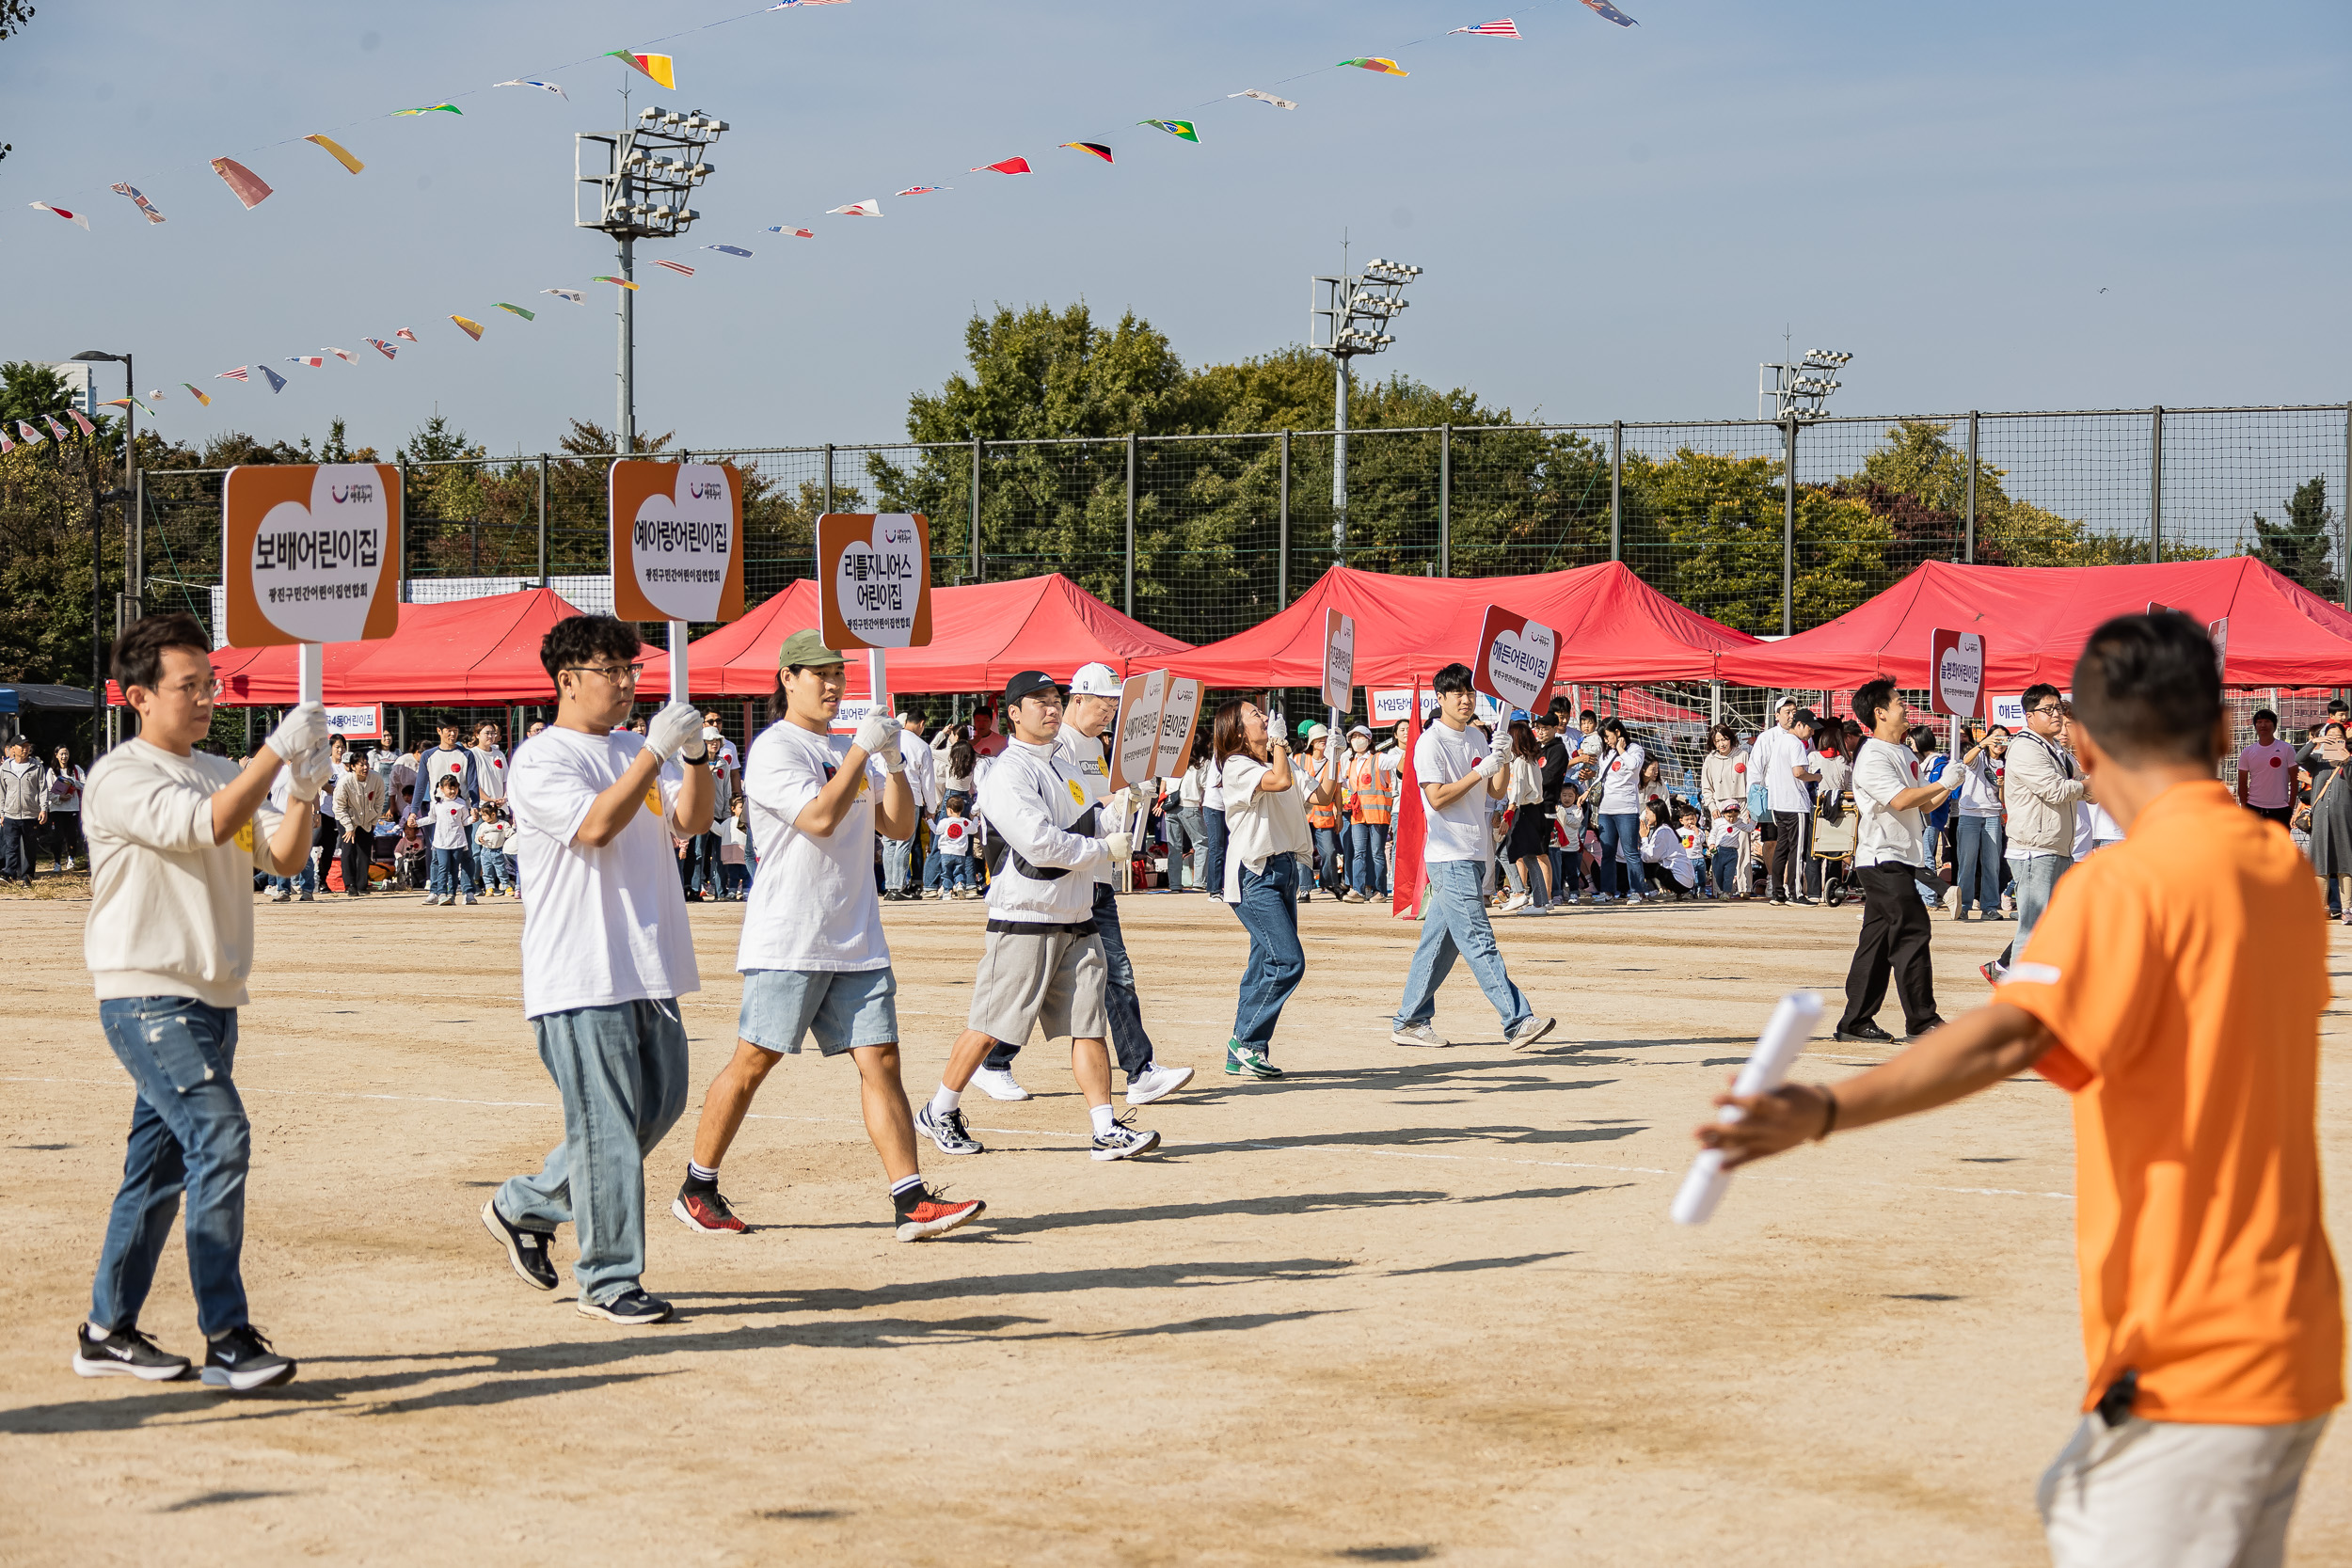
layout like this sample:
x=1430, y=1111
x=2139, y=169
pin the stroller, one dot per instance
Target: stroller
x=1835, y=825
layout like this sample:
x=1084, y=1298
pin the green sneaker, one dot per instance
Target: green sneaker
x=1242, y=1062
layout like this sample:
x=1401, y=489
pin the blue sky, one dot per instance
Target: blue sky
x=1615, y=223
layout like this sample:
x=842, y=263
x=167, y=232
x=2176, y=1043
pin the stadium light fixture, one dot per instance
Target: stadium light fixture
x=1800, y=388
x=1347, y=316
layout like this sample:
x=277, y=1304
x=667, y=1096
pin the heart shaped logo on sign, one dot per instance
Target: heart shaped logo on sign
x=683, y=541
x=1520, y=665
x=315, y=566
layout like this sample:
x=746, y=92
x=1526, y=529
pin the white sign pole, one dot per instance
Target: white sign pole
x=878, y=679
x=678, y=661
x=311, y=672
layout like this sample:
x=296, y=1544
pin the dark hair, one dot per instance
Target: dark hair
x=1655, y=807
x=578, y=638
x=1559, y=707
x=2339, y=705
x=1922, y=741
x=1453, y=678
x=2034, y=695
x=1613, y=726
x=2146, y=688
x=962, y=759
x=958, y=802
x=2261, y=713
x=1684, y=808
x=1722, y=731
x=1588, y=713
x=1226, y=732
x=138, y=653
x=450, y=781
x=1828, y=741
x=1523, y=742
x=1871, y=697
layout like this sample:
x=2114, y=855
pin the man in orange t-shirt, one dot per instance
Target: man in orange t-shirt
x=2174, y=988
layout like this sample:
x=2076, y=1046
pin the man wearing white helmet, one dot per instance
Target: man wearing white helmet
x=1093, y=703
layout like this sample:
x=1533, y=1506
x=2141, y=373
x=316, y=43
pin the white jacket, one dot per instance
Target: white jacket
x=1032, y=797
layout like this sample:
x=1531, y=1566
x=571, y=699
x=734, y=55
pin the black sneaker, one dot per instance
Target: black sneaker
x=1867, y=1030
x=700, y=1208
x=526, y=1249
x=632, y=1308
x=241, y=1361
x=126, y=1352
x=921, y=1214
x=1935, y=1022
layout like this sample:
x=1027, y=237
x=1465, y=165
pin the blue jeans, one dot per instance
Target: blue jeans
x=451, y=869
x=1453, y=922
x=1269, y=911
x=2037, y=878
x=934, y=868
x=489, y=868
x=188, y=1131
x=1725, y=866
x=1621, y=842
x=954, y=870
x=1213, y=866
x=1978, y=842
x=306, y=880
x=622, y=1073
x=1331, y=856
x=1368, y=844
x=1129, y=1042
x=898, y=863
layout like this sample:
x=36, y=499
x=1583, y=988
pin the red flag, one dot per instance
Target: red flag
x=1009, y=166
x=1413, y=820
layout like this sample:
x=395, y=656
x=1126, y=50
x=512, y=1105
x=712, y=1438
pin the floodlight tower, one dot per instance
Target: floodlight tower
x=1349, y=316
x=1800, y=388
x=648, y=171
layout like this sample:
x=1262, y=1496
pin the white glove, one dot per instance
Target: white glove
x=676, y=731
x=306, y=771
x=1497, y=760
x=1122, y=846
x=304, y=726
x=878, y=736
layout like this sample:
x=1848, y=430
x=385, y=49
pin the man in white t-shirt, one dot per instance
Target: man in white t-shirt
x=1093, y=703
x=2265, y=772
x=489, y=762
x=607, y=953
x=1774, y=761
x=813, y=955
x=1457, y=773
x=1890, y=853
x=175, y=837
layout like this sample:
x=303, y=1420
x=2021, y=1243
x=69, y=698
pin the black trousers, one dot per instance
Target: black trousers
x=1895, y=934
x=357, y=856
x=1793, y=837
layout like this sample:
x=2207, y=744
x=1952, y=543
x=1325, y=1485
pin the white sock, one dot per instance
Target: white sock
x=906, y=1183
x=945, y=1100
x=1104, y=1117
x=709, y=1175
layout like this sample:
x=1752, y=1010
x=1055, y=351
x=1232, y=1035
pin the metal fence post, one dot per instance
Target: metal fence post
x=543, y=520
x=1282, y=534
x=2155, y=485
x=1969, y=548
x=1129, y=606
x=1616, y=490
x=1788, y=527
x=976, y=509
x=828, y=476
x=404, y=530
x=1445, y=501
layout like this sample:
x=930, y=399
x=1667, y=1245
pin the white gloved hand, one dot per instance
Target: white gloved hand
x=676, y=731
x=308, y=771
x=1122, y=846
x=878, y=736
x=1497, y=760
x=304, y=726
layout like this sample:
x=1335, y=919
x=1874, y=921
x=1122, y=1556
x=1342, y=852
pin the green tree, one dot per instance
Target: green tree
x=2302, y=546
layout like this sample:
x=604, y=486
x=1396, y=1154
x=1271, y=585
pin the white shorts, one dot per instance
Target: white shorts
x=2174, y=1493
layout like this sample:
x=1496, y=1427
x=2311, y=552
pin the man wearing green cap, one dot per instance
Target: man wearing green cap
x=813, y=955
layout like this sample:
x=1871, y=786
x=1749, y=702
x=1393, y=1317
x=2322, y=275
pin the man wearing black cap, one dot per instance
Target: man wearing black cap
x=1044, y=963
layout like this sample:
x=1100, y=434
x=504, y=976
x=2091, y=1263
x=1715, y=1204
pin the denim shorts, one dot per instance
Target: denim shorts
x=843, y=1009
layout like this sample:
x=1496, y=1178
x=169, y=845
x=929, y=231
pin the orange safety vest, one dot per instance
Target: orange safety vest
x=1368, y=795
x=1325, y=817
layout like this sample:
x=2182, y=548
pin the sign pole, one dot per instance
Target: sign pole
x=878, y=679
x=311, y=672
x=678, y=675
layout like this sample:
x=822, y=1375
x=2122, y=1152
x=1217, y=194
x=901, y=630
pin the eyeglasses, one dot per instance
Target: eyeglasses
x=617, y=674
x=2045, y=710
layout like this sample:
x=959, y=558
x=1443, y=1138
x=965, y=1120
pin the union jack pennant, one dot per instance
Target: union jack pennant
x=676, y=266
x=237, y=374
x=386, y=350
x=1505, y=28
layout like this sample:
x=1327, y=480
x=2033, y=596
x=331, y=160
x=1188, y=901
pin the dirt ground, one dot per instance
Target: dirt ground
x=1401, y=1306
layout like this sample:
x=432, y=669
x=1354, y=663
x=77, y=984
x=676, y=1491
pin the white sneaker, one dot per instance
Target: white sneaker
x=279, y=895
x=1416, y=1033
x=1528, y=1032
x=1951, y=902
x=1156, y=1083
x=998, y=1085
x=1125, y=1141
x=1516, y=902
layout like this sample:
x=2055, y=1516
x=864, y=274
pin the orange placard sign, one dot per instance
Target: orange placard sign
x=874, y=580
x=310, y=552
x=678, y=540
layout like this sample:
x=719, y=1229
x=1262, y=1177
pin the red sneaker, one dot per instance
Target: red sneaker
x=923, y=1213
x=705, y=1210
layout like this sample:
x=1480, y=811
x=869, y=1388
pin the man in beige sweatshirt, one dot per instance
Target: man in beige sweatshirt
x=175, y=837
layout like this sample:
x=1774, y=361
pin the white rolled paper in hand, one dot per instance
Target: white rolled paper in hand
x=1776, y=1050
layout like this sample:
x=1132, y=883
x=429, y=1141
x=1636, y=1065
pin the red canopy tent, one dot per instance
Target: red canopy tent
x=2036, y=618
x=466, y=652
x=1612, y=628
x=982, y=635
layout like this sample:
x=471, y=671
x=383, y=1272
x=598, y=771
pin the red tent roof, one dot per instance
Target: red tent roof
x=982, y=635
x=464, y=651
x=1612, y=628
x=2036, y=618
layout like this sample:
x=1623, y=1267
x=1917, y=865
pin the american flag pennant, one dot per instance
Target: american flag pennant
x=1505, y=28
x=386, y=350
x=673, y=267
x=237, y=374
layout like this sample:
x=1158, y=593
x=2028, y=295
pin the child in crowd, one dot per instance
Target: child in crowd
x=408, y=855
x=490, y=849
x=1663, y=848
x=1727, y=846
x=952, y=831
x=451, y=870
x=1694, y=837
x=1567, y=844
x=734, y=878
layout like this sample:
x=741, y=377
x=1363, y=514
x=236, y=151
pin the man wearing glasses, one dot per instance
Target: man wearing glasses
x=2041, y=788
x=607, y=952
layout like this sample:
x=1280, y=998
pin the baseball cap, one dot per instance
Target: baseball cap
x=1026, y=682
x=1359, y=729
x=1094, y=680
x=807, y=647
